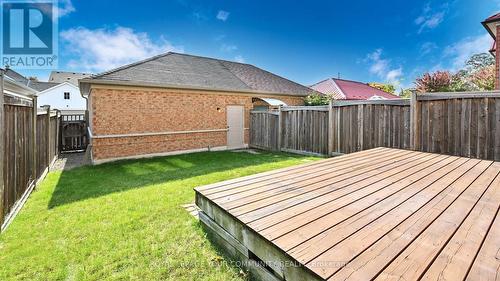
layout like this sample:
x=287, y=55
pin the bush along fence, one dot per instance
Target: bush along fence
x=28, y=145
x=462, y=124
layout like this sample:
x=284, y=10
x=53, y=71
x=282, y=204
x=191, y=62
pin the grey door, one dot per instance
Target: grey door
x=235, y=133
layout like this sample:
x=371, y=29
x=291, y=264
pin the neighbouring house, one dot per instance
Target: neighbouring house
x=177, y=103
x=64, y=95
x=61, y=93
x=65, y=76
x=341, y=89
x=493, y=27
x=15, y=88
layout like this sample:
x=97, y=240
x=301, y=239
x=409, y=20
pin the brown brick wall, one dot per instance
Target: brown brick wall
x=127, y=110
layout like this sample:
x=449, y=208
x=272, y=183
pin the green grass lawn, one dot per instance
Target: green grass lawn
x=124, y=220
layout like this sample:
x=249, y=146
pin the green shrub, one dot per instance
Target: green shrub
x=317, y=99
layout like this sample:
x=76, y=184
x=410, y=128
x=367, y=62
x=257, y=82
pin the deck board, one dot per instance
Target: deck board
x=382, y=214
x=328, y=216
x=280, y=212
x=255, y=186
x=387, y=213
x=307, y=179
x=293, y=190
x=457, y=257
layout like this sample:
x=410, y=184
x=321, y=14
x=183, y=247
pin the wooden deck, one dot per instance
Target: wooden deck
x=383, y=214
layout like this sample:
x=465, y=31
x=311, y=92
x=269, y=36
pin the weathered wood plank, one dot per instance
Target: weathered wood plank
x=347, y=249
x=2, y=147
x=487, y=263
x=417, y=214
x=458, y=95
x=279, y=182
x=343, y=209
x=461, y=125
x=428, y=244
x=386, y=211
x=325, y=199
x=374, y=259
x=240, y=207
x=454, y=261
x=271, y=175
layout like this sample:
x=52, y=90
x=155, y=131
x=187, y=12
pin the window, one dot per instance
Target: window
x=66, y=95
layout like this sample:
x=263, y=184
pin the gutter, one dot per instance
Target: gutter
x=11, y=84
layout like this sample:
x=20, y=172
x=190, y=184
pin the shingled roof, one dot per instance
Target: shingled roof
x=341, y=89
x=188, y=71
x=34, y=84
x=65, y=76
x=41, y=86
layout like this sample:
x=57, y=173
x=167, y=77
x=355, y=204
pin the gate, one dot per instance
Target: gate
x=73, y=133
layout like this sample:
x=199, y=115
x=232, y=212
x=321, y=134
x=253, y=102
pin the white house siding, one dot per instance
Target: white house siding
x=55, y=98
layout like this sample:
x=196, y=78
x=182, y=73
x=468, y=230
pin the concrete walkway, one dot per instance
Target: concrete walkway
x=68, y=161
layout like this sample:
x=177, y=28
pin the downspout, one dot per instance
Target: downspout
x=87, y=119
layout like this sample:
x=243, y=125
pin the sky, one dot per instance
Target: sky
x=366, y=40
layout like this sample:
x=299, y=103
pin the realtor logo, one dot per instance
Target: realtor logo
x=29, y=34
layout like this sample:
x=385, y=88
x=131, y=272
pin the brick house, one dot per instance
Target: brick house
x=177, y=103
x=492, y=25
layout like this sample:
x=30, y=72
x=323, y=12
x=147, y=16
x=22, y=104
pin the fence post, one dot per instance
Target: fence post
x=58, y=127
x=2, y=147
x=330, y=127
x=33, y=134
x=413, y=121
x=48, y=137
x=280, y=127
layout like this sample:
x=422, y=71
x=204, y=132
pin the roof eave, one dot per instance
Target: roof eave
x=18, y=88
x=85, y=87
x=485, y=25
x=339, y=88
x=56, y=86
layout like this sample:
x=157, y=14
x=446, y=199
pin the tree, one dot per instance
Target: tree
x=317, y=99
x=484, y=79
x=439, y=81
x=479, y=61
x=405, y=93
x=389, y=88
x=478, y=74
x=460, y=82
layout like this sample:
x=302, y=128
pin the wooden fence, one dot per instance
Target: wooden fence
x=265, y=133
x=462, y=124
x=28, y=150
x=342, y=127
x=360, y=125
x=73, y=133
x=304, y=129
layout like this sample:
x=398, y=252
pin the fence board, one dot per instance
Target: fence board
x=355, y=126
x=365, y=125
x=264, y=130
x=305, y=130
x=17, y=158
x=463, y=124
x=18, y=165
